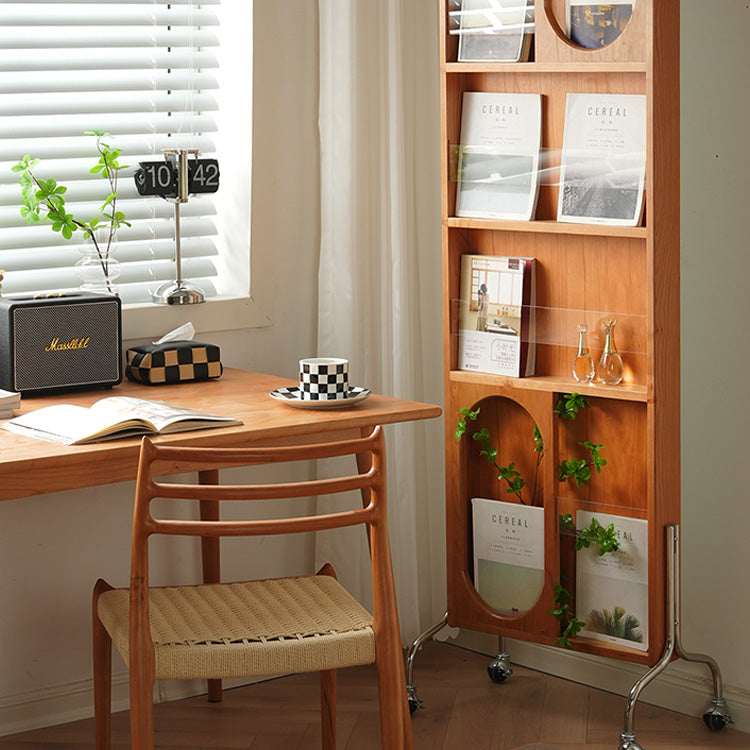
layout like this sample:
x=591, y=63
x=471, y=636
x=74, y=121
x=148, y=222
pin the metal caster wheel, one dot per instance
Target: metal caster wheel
x=414, y=702
x=499, y=670
x=717, y=717
x=627, y=742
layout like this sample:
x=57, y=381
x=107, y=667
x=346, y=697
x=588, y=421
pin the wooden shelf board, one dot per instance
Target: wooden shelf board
x=546, y=67
x=548, y=227
x=548, y=383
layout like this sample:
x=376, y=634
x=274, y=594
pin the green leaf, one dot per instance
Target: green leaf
x=570, y=404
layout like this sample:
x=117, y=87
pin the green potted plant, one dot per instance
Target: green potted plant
x=44, y=200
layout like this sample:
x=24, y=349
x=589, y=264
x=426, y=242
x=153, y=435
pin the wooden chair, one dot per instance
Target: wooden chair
x=251, y=628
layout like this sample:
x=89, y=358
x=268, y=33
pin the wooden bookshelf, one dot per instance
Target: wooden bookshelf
x=630, y=271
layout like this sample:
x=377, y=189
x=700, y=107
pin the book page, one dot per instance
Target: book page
x=492, y=30
x=612, y=590
x=61, y=423
x=603, y=163
x=508, y=554
x=498, y=159
x=159, y=414
x=110, y=418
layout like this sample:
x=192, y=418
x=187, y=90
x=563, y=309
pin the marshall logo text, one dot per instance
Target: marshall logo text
x=63, y=346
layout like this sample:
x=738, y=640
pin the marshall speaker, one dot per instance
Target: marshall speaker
x=60, y=342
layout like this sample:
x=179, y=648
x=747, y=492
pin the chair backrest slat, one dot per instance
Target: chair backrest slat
x=369, y=450
x=270, y=527
x=302, y=488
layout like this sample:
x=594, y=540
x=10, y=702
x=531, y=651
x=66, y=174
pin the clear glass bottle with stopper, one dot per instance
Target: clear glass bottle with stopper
x=610, y=365
x=583, y=366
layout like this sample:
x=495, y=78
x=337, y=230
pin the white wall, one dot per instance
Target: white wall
x=50, y=556
x=715, y=314
x=53, y=547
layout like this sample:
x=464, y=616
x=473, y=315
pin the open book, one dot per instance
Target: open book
x=111, y=418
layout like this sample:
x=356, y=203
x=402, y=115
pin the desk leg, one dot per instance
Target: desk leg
x=211, y=555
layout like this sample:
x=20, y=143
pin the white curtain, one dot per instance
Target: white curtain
x=380, y=266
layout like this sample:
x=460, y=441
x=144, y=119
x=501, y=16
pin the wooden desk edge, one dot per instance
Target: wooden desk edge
x=46, y=467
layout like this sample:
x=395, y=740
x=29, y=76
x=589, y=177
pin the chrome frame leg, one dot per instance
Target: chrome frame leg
x=499, y=669
x=411, y=689
x=717, y=716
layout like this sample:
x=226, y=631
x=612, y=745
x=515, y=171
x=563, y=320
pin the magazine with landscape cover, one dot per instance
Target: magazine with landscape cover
x=111, y=418
x=595, y=25
x=603, y=162
x=496, y=326
x=508, y=554
x=498, y=159
x=499, y=30
x=612, y=589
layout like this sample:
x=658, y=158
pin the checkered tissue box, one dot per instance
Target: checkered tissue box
x=173, y=362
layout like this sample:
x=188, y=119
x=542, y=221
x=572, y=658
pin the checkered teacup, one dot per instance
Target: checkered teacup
x=323, y=379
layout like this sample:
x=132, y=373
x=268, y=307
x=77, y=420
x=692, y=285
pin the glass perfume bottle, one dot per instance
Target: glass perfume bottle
x=583, y=366
x=610, y=365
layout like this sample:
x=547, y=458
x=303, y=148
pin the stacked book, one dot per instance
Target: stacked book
x=8, y=402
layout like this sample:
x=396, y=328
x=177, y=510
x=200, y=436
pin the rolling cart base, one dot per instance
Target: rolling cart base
x=717, y=715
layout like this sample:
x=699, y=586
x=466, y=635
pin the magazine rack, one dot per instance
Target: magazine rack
x=582, y=269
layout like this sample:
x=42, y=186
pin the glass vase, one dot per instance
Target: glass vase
x=583, y=365
x=98, y=270
x=610, y=365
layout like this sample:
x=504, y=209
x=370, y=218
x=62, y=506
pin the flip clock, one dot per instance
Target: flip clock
x=60, y=342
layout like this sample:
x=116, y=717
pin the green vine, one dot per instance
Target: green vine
x=605, y=540
x=44, y=200
x=578, y=470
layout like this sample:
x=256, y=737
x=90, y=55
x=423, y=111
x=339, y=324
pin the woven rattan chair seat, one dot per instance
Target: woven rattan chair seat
x=253, y=628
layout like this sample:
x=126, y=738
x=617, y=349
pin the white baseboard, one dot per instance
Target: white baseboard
x=675, y=689
x=59, y=705
x=680, y=690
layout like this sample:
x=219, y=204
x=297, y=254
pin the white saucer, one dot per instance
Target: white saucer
x=292, y=396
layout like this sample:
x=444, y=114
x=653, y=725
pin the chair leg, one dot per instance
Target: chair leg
x=141, y=694
x=328, y=708
x=141, y=713
x=395, y=723
x=102, y=644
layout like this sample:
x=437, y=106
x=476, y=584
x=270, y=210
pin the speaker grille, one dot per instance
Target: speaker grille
x=66, y=345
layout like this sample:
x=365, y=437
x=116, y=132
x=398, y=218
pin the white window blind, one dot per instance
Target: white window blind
x=145, y=71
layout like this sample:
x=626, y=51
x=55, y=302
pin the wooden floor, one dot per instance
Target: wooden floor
x=463, y=710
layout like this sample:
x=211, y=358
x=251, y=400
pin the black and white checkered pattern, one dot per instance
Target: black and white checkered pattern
x=294, y=394
x=324, y=381
x=173, y=362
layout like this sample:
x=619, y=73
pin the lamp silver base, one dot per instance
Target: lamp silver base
x=178, y=293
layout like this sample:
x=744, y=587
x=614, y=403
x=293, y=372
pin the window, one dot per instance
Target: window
x=155, y=75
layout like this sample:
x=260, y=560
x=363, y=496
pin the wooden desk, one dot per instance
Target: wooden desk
x=33, y=467
x=29, y=466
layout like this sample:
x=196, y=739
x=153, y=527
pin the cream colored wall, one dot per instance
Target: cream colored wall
x=715, y=313
x=53, y=547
